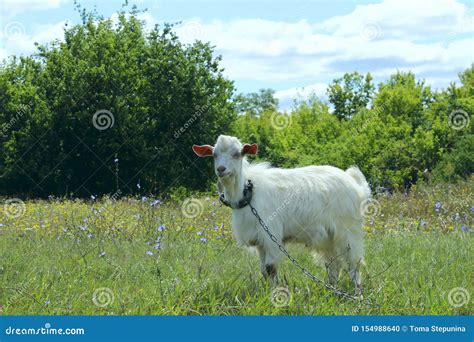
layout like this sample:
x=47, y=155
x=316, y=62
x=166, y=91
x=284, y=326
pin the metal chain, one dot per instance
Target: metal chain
x=295, y=262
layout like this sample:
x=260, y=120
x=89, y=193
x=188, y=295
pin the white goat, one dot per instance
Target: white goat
x=319, y=206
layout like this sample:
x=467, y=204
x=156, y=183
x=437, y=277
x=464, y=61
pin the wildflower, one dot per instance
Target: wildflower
x=116, y=160
x=472, y=208
x=155, y=202
x=83, y=228
x=157, y=246
x=144, y=198
x=102, y=254
x=47, y=302
x=149, y=253
x=463, y=228
x=139, y=186
x=203, y=240
x=438, y=206
x=158, y=239
x=216, y=227
x=59, y=237
x=161, y=227
x=93, y=197
x=89, y=236
x=199, y=233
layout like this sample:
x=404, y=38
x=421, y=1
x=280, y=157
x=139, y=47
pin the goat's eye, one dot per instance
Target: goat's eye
x=236, y=155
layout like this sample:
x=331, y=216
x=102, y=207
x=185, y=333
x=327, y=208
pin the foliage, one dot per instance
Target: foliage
x=163, y=96
x=408, y=134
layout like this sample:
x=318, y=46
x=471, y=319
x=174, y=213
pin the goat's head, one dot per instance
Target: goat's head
x=228, y=155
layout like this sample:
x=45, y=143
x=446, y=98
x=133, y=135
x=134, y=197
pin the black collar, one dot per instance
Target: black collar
x=245, y=201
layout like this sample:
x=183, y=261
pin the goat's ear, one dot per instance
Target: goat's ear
x=249, y=149
x=203, y=151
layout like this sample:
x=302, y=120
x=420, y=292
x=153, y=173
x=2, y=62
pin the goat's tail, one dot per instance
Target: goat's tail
x=359, y=177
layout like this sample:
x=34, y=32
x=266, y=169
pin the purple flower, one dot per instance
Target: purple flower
x=157, y=246
x=89, y=236
x=102, y=254
x=144, y=198
x=161, y=227
x=472, y=208
x=463, y=228
x=158, y=239
x=149, y=253
x=216, y=227
x=47, y=302
x=199, y=233
x=203, y=240
x=214, y=203
x=438, y=206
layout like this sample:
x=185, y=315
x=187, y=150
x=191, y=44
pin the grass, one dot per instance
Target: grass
x=59, y=255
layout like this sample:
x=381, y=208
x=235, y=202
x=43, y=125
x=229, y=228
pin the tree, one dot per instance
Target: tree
x=256, y=103
x=350, y=93
x=158, y=95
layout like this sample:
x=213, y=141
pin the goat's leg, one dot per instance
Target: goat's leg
x=354, y=273
x=333, y=268
x=262, y=254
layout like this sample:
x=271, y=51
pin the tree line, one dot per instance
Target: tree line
x=113, y=107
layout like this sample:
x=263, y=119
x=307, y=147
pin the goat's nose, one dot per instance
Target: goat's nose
x=221, y=169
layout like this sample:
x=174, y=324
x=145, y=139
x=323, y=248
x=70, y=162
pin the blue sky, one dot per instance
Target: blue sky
x=295, y=47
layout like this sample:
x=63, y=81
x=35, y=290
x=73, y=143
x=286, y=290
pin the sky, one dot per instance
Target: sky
x=294, y=47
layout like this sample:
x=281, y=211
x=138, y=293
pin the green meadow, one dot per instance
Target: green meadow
x=141, y=256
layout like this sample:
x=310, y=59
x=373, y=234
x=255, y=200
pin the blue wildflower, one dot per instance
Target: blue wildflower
x=438, y=206
x=161, y=227
x=199, y=233
x=472, y=208
x=203, y=240
x=47, y=302
x=157, y=246
x=89, y=236
x=463, y=228
x=216, y=227
x=149, y=253
x=102, y=254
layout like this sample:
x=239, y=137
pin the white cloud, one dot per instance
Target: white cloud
x=17, y=41
x=12, y=7
x=287, y=96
